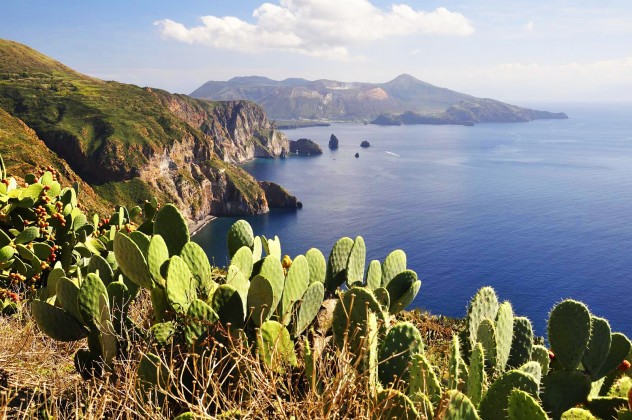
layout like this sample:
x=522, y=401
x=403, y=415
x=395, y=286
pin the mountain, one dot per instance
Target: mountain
x=129, y=143
x=393, y=102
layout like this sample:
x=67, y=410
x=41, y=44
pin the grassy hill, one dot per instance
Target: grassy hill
x=131, y=143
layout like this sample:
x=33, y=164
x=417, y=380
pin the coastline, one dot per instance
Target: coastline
x=198, y=225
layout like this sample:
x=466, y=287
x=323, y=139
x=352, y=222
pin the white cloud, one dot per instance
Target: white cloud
x=322, y=28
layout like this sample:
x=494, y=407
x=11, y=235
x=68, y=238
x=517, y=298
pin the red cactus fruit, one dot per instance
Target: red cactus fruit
x=625, y=365
x=551, y=355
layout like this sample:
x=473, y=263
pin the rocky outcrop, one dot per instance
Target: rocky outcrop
x=365, y=144
x=279, y=197
x=333, y=142
x=305, y=147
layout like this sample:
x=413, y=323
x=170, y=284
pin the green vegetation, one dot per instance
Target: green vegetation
x=207, y=340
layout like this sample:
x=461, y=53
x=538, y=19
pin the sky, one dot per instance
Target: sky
x=520, y=51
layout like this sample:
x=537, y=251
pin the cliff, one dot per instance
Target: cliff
x=305, y=147
x=130, y=143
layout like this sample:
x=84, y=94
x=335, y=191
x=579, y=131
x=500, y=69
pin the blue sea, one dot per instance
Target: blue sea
x=541, y=211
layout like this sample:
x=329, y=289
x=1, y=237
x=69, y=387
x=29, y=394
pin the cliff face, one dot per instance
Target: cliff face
x=130, y=143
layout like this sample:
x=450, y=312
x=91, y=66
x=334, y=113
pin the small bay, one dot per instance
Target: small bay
x=541, y=211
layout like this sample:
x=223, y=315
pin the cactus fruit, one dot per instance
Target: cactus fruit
x=275, y=347
x=240, y=234
x=131, y=260
x=309, y=307
x=423, y=378
x=504, y=335
x=317, y=265
x=170, y=224
x=457, y=406
x=374, y=275
x=392, y=404
x=337, y=264
x=563, y=390
x=484, y=305
x=355, y=263
x=523, y=406
x=495, y=402
x=476, y=379
x=569, y=332
x=402, y=341
x=522, y=343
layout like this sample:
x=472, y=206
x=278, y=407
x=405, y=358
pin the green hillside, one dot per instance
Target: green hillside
x=119, y=137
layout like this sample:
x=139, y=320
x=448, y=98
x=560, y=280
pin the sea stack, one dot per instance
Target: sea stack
x=357, y=155
x=333, y=142
x=365, y=144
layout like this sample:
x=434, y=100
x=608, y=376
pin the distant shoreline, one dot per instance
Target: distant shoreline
x=199, y=225
x=292, y=125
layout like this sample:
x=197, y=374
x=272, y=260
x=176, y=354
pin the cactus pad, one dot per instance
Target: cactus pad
x=522, y=343
x=392, y=404
x=487, y=337
x=457, y=406
x=504, y=335
x=89, y=300
x=337, y=263
x=495, y=402
x=296, y=284
x=131, y=260
x=374, y=275
x=355, y=263
x=402, y=341
x=56, y=323
x=563, y=390
x=180, y=288
x=228, y=305
x=476, y=380
x=620, y=348
x=260, y=298
x=272, y=270
x=484, y=305
x=394, y=264
x=423, y=378
x=402, y=289
x=197, y=261
x=309, y=307
x=240, y=234
x=275, y=347
x=157, y=254
x=242, y=259
x=523, y=406
x=317, y=265
x=569, y=332
x=170, y=224
x=598, y=346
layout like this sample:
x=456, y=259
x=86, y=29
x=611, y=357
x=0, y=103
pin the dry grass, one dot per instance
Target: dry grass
x=38, y=379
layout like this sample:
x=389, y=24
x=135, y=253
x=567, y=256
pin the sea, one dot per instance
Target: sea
x=540, y=211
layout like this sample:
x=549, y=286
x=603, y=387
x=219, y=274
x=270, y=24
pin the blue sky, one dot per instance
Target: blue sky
x=535, y=51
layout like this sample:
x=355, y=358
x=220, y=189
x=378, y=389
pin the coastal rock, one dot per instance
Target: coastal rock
x=278, y=197
x=333, y=142
x=365, y=143
x=305, y=147
x=357, y=155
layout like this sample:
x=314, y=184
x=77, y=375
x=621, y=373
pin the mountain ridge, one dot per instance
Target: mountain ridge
x=297, y=99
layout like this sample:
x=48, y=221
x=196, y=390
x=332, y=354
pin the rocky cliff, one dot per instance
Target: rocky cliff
x=130, y=143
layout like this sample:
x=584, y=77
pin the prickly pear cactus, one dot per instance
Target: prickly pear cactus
x=317, y=265
x=569, y=332
x=337, y=264
x=504, y=335
x=240, y=234
x=402, y=289
x=484, y=305
x=523, y=406
x=477, y=379
x=495, y=402
x=522, y=344
x=457, y=406
x=402, y=341
x=309, y=307
x=423, y=378
x=394, y=264
x=296, y=284
x=355, y=263
x=392, y=404
x=598, y=346
x=275, y=347
x=170, y=224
